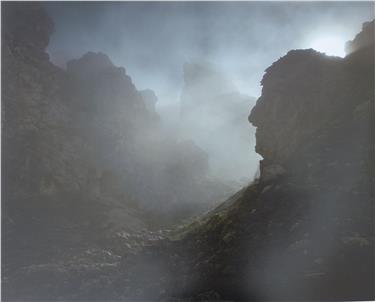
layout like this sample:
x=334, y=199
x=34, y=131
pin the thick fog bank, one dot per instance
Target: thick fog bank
x=154, y=40
x=239, y=39
x=96, y=184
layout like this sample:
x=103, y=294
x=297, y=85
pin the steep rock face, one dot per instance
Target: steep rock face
x=86, y=166
x=281, y=115
x=129, y=142
x=30, y=32
x=66, y=155
x=103, y=90
x=83, y=155
x=109, y=113
x=33, y=111
x=85, y=133
x=333, y=90
x=305, y=229
x=50, y=180
x=286, y=122
x=315, y=132
x=363, y=39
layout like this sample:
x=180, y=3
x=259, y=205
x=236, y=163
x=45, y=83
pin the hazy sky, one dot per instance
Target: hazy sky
x=152, y=40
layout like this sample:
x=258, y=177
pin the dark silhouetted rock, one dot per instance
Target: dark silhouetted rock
x=84, y=157
x=363, y=39
x=305, y=229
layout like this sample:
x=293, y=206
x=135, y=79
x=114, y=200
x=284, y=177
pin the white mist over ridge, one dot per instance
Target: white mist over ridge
x=240, y=39
x=243, y=39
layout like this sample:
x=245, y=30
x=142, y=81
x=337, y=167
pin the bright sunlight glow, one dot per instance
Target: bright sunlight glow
x=331, y=45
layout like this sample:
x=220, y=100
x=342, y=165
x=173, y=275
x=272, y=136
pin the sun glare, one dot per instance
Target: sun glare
x=331, y=45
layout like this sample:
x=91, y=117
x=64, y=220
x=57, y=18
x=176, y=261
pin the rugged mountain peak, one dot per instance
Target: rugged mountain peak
x=282, y=115
x=97, y=85
x=363, y=39
x=93, y=63
x=298, y=59
x=26, y=28
x=306, y=92
x=281, y=237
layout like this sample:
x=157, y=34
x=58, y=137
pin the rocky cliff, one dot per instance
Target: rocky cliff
x=305, y=229
x=71, y=140
x=51, y=179
x=363, y=39
x=84, y=156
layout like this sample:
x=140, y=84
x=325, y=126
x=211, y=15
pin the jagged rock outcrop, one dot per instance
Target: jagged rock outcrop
x=129, y=142
x=286, y=122
x=363, y=39
x=50, y=181
x=86, y=131
x=305, y=229
x=29, y=33
x=83, y=158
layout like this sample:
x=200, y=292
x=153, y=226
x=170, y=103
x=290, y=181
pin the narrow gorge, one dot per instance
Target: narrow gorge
x=101, y=201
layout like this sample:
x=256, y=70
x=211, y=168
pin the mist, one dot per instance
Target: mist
x=188, y=151
x=154, y=40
